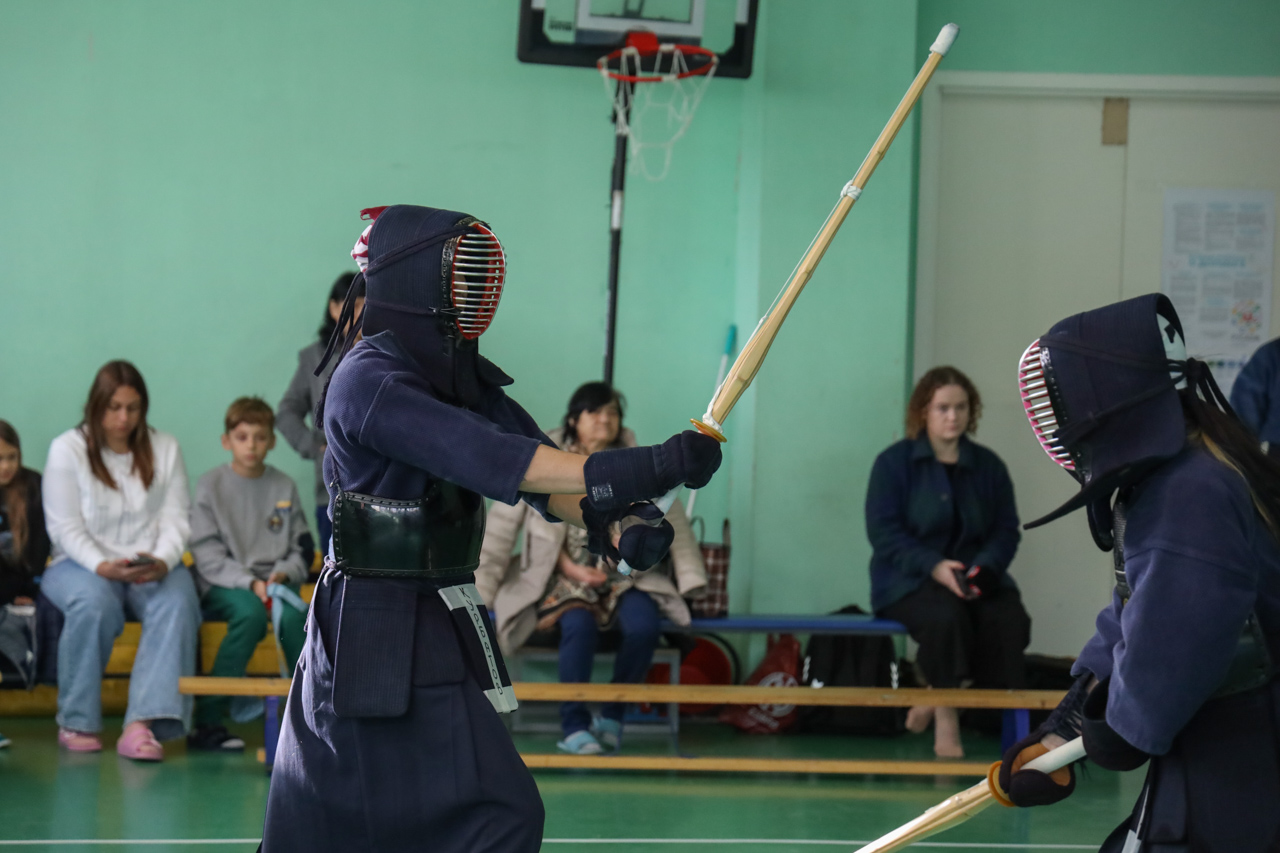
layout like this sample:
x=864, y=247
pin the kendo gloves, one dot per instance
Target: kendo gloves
x=1081, y=713
x=1031, y=787
x=616, y=479
x=621, y=482
x=646, y=535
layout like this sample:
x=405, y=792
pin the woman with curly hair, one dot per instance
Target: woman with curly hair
x=944, y=528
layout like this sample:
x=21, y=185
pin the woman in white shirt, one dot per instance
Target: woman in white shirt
x=116, y=507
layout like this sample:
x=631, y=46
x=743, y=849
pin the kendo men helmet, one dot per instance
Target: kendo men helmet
x=469, y=256
x=1101, y=392
x=434, y=278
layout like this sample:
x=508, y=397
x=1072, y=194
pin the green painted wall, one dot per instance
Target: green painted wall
x=830, y=397
x=1200, y=37
x=181, y=184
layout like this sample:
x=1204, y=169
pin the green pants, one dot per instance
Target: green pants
x=247, y=623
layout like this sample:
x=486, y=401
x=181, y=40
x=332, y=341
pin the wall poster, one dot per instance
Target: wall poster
x=1219, y=247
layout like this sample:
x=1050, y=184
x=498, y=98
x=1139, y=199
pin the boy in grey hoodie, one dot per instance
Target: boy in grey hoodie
x=248, y=531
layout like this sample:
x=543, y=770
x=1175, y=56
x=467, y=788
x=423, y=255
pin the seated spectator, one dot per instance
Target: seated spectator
x=116, y=504
x=24, y=545
x=943, y=528
x=556, y=586
x=304, y=392
x=248, y=532
x=1254, y=395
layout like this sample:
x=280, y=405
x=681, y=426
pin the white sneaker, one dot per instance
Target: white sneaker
x=608, y=732
x=580, y=743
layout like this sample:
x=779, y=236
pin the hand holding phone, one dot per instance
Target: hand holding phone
x=145, y=568
x=977, y=581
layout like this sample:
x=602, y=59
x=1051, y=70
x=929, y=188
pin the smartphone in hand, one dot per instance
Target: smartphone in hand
x=962, y=580
x=139, y=560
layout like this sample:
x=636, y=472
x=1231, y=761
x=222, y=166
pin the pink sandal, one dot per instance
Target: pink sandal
x=139, y=743
x=76, y=741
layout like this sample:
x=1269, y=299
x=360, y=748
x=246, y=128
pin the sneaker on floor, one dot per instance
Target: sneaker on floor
x=608, y=732
x=214, y=739
x=580, y=743
x=79, y=741
x=139, y=743
x=4, y=741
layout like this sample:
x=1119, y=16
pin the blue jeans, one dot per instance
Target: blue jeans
x=637, y=622
x=94, y=609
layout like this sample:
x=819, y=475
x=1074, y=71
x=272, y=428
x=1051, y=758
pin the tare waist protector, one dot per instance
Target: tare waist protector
x=437, y=536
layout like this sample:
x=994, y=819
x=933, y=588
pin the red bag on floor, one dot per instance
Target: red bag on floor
x=780, y=668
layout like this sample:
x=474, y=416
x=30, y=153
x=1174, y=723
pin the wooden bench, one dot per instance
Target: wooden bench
x=273, y=688
x=1016, y=721
x=795, y=624
x=43, y=700
x=522, y=722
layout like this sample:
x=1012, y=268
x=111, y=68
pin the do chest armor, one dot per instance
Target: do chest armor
x=436, y=536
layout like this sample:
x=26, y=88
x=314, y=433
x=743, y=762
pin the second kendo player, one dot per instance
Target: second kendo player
x=1181, y=671
x=391, y=739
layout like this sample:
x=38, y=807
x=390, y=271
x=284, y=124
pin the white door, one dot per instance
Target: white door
x=1029, y=213
x=1191, y=143
x=1029, y=218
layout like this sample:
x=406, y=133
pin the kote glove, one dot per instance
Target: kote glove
x=618, y=478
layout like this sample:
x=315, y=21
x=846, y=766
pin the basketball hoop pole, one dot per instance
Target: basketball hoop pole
x=668, y=65
x=617, y=186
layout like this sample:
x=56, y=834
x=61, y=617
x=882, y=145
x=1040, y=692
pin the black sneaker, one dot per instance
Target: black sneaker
x=214, y=739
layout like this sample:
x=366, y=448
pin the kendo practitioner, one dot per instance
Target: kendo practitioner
x=1180, y=674
x=391, y=739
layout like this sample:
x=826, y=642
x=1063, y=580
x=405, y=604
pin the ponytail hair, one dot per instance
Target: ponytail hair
x=1213, y=425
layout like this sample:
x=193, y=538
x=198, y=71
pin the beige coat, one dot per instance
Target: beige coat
x=513, y=585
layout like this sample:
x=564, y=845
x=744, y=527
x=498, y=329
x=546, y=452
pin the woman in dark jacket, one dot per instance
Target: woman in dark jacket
x=24, y=544
x=943, y=528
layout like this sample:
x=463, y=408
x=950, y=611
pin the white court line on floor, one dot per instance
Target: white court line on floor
x=960, y=845
x=982, y=845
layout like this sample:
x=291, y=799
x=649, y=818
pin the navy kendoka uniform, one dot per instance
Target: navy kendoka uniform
x=392, y=740
x=1198, y=560
x=444, y=776
x=1181, y=672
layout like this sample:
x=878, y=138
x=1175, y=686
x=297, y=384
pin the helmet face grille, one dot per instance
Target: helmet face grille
x=478, y=271
x=1033, y=387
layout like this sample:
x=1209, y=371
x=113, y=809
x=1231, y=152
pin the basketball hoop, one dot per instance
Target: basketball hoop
x=655, y=89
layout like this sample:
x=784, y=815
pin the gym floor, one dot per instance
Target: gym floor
x=51, y=800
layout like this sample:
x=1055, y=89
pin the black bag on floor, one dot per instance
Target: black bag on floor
x=17, y=646
x=851, y=661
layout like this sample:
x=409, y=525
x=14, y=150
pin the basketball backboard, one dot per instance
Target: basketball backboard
x=579, y=32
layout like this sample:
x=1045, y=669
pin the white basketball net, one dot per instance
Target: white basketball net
x=654, y=115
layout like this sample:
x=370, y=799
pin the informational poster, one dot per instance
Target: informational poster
x=1219, y=246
